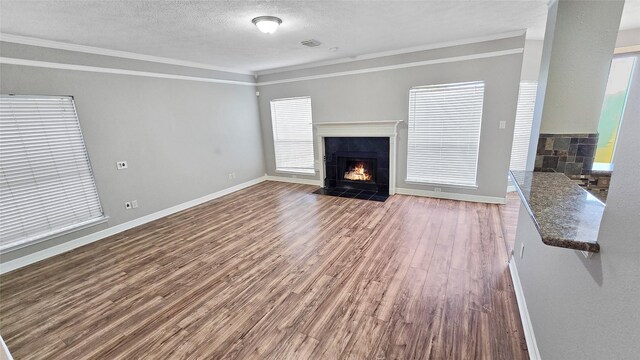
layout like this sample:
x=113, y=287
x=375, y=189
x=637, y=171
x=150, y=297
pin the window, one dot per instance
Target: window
x=444, y=133
x=293, y=135
x=615, y=99
x=524, y=121
x=46, y=184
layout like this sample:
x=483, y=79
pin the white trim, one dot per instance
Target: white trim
x=63, y=66
x=452, y=196
x=626, y=49
x=382, y=128
x=70, y=245
x=301, y=173
x=455, y=186
x=293, y=180
x=527, y=327
x=25, y=40
x=399, y=66
x=5, y=350
x=407, y=50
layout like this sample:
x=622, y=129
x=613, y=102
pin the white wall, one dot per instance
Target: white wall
x=181, y=138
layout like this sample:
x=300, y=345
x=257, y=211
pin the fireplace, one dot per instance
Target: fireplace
x=356, y=167
x=370, y=143
x=357, y=172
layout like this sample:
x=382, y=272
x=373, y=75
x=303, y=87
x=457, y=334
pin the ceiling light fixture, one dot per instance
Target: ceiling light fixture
x=267, y=24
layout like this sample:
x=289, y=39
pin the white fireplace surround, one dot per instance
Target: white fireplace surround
x=382, y=128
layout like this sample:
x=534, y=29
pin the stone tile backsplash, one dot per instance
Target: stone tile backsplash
x=571, y=154
x=597, y=183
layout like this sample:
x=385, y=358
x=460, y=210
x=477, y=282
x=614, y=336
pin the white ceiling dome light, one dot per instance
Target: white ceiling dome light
x=267, y=24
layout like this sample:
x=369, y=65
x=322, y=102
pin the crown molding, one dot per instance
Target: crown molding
x=63, y=66
x=398, y=66
x=433, y=46
x=626, y=49
x=25, y=40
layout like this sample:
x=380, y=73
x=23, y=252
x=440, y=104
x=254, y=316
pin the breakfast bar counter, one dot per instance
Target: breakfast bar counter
x=564, y=214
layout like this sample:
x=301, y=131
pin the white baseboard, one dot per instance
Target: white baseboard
x=293, y=180
x=452, y=196
x=70, y=245
x=529, y=336
x=4, y=352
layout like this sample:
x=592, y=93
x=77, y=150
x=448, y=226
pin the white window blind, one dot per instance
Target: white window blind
x=46, y=183
x=444, y=133
x=524, y=121
x=293, y=134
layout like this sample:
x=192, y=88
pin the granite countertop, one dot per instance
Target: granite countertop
x=565, y=214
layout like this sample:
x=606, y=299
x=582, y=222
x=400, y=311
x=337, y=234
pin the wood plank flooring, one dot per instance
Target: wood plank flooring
x=275, y=272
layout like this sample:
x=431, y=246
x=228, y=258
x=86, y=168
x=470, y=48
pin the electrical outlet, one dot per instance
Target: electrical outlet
x=134, y=204
x=233, y=175
x=521, y=251
x=437, y=189
x=230, y=176
x=503, y=124
x=127, y=205
x=121, y=165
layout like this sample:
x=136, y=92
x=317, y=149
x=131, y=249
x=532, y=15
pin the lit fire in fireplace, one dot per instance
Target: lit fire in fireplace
x=358, y=172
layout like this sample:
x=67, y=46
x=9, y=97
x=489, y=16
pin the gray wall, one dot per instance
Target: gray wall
x=531, y=71
x=384, y=95
x=531, y=60
x=578, y=64
x=533, y=52
x=181, y=138
x=588, y=308
x=20, y=51
x=629, y=37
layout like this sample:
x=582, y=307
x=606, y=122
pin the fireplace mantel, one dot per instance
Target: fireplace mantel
x=383, y=128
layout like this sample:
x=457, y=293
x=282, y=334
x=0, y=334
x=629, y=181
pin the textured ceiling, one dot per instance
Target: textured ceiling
x=220, y=33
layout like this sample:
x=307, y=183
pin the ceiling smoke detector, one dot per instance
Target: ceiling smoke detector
x=311, y=43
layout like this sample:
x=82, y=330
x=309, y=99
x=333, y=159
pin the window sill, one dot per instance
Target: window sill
x=64, y=231
x=602, y=167
x=292, y=172
x=414, y=182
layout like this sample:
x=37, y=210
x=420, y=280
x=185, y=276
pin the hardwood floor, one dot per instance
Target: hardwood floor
x=276, y=272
